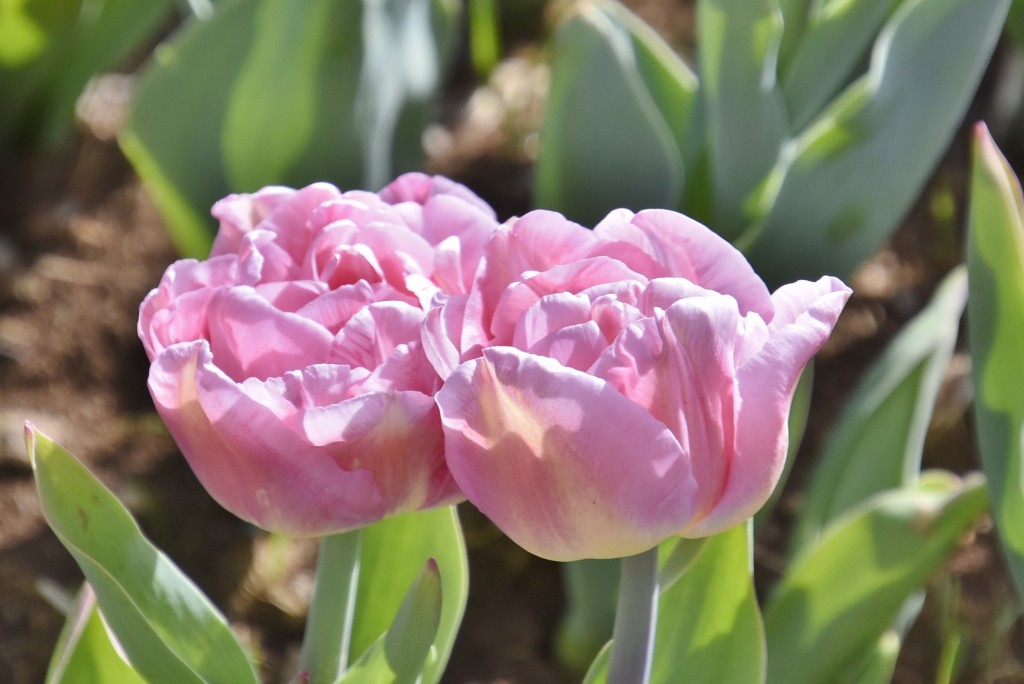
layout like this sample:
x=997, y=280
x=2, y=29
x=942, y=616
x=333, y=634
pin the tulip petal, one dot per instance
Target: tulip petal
x=272, y=477
x=767, y=382
x=372, y=334
x=441, y=327
x=561, y=462
x=240, y=213
x=690, y=250
x=250, y=338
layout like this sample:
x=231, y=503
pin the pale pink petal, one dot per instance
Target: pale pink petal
x=372, y=334
x=441, y=328
x=250, y=338
x=680, y=366
x=420, y=188
x=273, y=477
x=289, y=220
x=573, y=277
x=766, y=383
x=292, y=295
x=334, y=308
x=238, y=214
x=562, y=463
x=394, y=436
x=690, y=250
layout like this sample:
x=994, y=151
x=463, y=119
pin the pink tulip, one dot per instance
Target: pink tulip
x=288, y=366
x=608, y=389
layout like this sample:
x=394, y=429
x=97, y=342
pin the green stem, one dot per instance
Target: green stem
x=329, y=625
x=635, y=620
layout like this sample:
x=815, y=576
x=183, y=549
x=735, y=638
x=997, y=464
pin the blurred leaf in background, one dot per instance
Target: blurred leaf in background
x=283, y=92
x=878, y=440
x=807, y=136
x=49, y=49
x=842, y=595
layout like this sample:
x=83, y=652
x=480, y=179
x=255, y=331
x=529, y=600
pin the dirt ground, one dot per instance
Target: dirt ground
x=81, y=244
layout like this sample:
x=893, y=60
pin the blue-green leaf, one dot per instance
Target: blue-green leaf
x=745, y=114
x=841, y=187
x=604, y=142
x=877, y=441
x=995, y=262
x=842, y=594
x=168, y=628
x=834, y=42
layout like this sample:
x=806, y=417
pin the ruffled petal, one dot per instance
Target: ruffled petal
x=273, y=477
x=250, y=338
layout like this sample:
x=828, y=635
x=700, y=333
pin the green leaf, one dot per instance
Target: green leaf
x=877, y=441
x=709, y=625
x=398, y=656
x=842, y=186
x=49, y=49
x=85, y=651
x=746, y=116
x=834, y=42
x=168, y=628
x=842, y=594
x=995, y=263
x=267, y=91
x=604, y=142
x=393, y=552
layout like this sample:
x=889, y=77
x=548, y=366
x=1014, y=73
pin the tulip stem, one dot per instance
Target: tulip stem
x=636, y=617
x=325, y=644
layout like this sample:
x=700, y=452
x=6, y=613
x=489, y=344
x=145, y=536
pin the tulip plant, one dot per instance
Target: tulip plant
x=349, y=365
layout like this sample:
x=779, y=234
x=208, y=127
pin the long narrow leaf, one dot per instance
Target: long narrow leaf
x=843, y=185
x=995, y=260
x=878, y=440
x=168, y=628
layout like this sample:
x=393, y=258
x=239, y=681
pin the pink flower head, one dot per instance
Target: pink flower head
x=288, y=366
x=607, y=389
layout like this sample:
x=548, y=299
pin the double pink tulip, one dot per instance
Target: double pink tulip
x=602, y=390
x=607, y=389
x=288, y=366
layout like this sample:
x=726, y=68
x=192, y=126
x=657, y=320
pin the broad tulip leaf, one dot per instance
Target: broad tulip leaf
x=49, y=49
x=745, y=114
x=995, y=263
x=604, y=142
x=878, y=440
x=168, y=628
x=393, y=553
x=85, y=652
x=842, y=186
x=834, y=42
x=709, y=626
x=398, y=656
x=841, y=595
x=264, y=91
